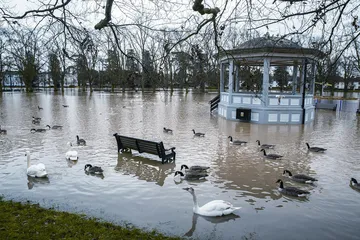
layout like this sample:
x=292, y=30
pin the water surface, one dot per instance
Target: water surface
x=138, y=189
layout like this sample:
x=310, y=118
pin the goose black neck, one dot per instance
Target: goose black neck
x=288, y=172
x=308, y=145
x=281, y=184
x=264, y=152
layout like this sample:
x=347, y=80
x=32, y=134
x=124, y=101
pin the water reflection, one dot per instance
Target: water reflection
x=95, y=175
x=214, y=220
x=144, y=168
x=34, y=181
x=71, y=163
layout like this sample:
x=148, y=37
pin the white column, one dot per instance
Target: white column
x=222, y=89
x=294, y=79
x=265, y=83
x=237, y=78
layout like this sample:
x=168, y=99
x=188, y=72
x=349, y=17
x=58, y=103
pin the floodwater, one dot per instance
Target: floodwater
x=138, y=189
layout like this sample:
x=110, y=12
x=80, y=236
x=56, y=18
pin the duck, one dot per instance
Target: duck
x=33, y=130
x=65, y=105
x=236, y=142
x=93, y=169
x=191, y=175
x=54, y=127
x=40, y=108
x=36, y=118
x=195, y=168
x=301, y=178
x=2, y=131
x=215, y=208
x=36, y=121
x=168, y=130
x=315, y=149
x=198, y=134
x=71, y=154
x=271, y=156
x=80, y=141
x=354, y=184
x=267, y=146
x=291, y=191
x=37, y=170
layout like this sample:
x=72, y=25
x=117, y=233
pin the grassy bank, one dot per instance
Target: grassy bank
x=29, y=221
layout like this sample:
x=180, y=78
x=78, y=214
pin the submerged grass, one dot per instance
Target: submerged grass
x=30, y=221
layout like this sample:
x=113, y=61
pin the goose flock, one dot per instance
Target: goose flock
x=213, y=208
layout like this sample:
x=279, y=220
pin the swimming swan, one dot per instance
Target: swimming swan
x=71, y=154
x=301, y=178
x=214, y=208
x=93, y=169
x=236, y=142
x=37, y=170
x=315, y=149
x=271, y=156
x=267, y=146
x=80, y=141
x=198, y=134
x=195, y=168
x=291, y=191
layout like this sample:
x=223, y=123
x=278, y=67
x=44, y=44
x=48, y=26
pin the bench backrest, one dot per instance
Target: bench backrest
x=140, y=145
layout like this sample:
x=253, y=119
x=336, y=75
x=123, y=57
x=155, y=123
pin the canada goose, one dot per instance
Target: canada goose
x=214, y=208
x=315, y=149
x=80, y=141
x=2, y=131
x=195, y=168
x=191, y=175
x=65, y=105
x=93, y=169
x=300, y=177
x=40, y=108
x=36, y=121
x=37, y=170
x=354, y=184
x=198, y=134
x=271, y=156
x=236, y=142
x=36, y=118
x=291, y=191
x=267, y=146
x=168, y=130
x=54, y=127
x=33, y=130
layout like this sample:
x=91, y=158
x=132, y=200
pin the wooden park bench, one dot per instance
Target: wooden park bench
x=331, y=106
x=126, y=144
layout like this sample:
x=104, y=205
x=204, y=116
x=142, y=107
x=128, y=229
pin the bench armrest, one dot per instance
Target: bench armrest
x=172, y=149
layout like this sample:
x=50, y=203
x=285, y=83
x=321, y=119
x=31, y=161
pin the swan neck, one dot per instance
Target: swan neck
x=28, y=160
x=196, y=206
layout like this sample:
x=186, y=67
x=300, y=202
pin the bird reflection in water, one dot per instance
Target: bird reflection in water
x=214, y=220
x=143, y=168
x=33, y=181
x=95, y=175
x=71, y=163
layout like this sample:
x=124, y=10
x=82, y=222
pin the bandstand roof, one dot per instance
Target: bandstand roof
x=281, y=51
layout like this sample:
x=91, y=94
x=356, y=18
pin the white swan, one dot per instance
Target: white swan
x=72, y=154
x=37, y=170
x=214, y=208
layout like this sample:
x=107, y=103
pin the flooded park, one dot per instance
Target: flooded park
x=137, y=189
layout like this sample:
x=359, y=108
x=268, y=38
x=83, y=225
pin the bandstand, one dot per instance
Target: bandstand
x=266, y=106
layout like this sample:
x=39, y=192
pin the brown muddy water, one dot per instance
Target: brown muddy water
x=138, y=189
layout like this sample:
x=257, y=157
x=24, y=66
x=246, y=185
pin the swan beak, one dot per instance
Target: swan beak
x=186, y=189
